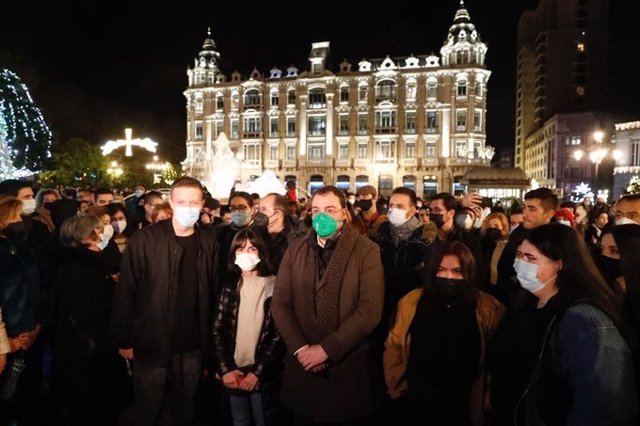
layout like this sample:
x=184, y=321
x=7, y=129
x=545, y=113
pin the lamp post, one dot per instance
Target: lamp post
x=597, y=152
x=157, y=168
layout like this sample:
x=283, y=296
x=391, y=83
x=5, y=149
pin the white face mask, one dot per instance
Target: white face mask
x=28, y=206
x=528, y=276
x=397, y=217
x=107, y=231
x=625, y=221
x=247, y=261
x=104, y=241
x=186, y=216
x=564, y=222
x=119, y=226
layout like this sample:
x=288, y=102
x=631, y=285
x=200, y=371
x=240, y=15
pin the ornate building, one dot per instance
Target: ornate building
x=416, y=121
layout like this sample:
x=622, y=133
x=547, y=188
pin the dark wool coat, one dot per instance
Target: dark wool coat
x=344, y=390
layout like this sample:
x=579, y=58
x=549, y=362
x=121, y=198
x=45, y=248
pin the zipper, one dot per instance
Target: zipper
x=535, y=371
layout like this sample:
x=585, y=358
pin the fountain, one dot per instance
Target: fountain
x=222, y=168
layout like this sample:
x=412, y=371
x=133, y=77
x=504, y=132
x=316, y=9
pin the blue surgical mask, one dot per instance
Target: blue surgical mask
x=139, y=193
x=104, y=241
x=240, y=217
x=528, y=276
x=186, y=216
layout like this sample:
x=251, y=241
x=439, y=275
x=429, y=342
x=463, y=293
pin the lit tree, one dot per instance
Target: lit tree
x=580, y=192
x=634, y=185
x=25, y=138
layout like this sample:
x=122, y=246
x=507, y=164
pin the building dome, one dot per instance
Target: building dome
x=463, y=44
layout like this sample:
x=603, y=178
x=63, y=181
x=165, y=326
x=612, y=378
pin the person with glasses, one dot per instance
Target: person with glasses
x=281, y=226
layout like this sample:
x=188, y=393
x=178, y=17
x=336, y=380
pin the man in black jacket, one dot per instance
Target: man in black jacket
x=162, y=315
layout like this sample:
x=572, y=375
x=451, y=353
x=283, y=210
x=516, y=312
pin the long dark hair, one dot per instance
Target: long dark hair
x=468, y=267
x=627, y=239
x=579, y=280
x=239, y=240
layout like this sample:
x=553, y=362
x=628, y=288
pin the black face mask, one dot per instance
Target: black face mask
x=15, y=231
x=365, y=205
x=609, y=267
x=437, y=219
x=261, y=219
x=449, y=289
x=493, y=234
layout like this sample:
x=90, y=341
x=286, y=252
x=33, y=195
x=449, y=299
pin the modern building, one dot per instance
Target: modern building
x=561, y=69
x=627, y=138
x=416, y=121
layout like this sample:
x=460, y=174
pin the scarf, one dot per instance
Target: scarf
x=404, y=231
x=250, y=317
x=321, y=295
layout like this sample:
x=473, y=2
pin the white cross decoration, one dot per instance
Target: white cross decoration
x=128, y=142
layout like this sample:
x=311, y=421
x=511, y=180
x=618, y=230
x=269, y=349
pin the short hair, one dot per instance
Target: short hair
x=187, y=182
x=10, y=207
x=11, y=187
x=548, y=199
x=280, y=202
x=211, y=203
x=517, y=210
x=330, y=189
x=224, y=210
x=256, y=240
x=629, y=197
x=77, y=228
x=255, y=196
x=103, y=191
x=244, y=195
x=568, y=205
x=449, y=201
x=149, y=196
x=89, y=190
x=113, y=208
x=413, y=198
x=137, y=185
x=367, y=190
x=98, y=211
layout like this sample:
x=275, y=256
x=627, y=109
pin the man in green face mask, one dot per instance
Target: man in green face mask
x=327, y=300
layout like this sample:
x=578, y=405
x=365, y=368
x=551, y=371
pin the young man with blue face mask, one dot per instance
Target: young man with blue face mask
x=162, y=316
x=327, y=300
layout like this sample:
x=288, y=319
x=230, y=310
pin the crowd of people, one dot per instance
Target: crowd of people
x=146, y=308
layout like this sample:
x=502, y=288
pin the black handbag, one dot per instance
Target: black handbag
x=16, y=364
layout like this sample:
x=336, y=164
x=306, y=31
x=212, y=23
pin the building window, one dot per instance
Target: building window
x=363, y=125
x=317, y=98
x=198, y=131
x=430, y=149
x=411, y=90
x=219, y=103
x=252, y=152
x=234, y=129
x=386, y=91
x=385, y=121
x=199, y=105
x=461, y=120
x=291, y=97
x=291, y=126
x=634, y=161
x=411, y=122
x=316, y=152
x=573, y=140
x=580, y=90
x=362, y=150
x=580, y=47
x=273, y=152
x=479, y=89
x=432, y=121
x=343, y=151
x=317, y=125
x=344, y=94
x=274, y=99
x=410, y=150
x=344, y=125
x=219, y=126
x=362, y=93
x=252, y=99
x=477, y=121
x=235, y=98
x=273, y=127
x=461, y=149
x=291, y=152
x=432, y=89
x=252, y=127
x=462, y=88
x=385, y=150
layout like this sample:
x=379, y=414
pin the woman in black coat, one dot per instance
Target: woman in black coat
x=90, y=377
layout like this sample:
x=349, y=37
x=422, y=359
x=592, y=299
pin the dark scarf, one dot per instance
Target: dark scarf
x=321, y=294
x=404, y=231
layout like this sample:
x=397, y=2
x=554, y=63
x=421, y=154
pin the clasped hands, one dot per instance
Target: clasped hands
x=313, y=358
x=236, y=379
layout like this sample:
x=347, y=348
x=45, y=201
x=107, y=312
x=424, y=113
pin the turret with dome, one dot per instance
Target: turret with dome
x=463, y=45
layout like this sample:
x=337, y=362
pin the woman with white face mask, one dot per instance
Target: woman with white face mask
x=559, y=356
x=249, y=349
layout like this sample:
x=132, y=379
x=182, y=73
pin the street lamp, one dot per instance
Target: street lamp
x=157, y=167
x=597, y=153
x=115, y=170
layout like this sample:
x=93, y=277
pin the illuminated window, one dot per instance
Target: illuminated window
x=580, y=46
x=580, y=90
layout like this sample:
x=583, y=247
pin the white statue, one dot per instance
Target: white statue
x=222, y=168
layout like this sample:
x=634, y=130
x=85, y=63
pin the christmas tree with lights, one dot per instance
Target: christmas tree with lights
x=25, y=138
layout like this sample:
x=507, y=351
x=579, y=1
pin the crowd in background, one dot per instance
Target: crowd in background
x=145, y=307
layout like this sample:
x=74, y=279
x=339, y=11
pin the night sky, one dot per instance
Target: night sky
x=96, y=66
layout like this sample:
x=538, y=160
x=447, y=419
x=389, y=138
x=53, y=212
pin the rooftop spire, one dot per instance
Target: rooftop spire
x=462, y=15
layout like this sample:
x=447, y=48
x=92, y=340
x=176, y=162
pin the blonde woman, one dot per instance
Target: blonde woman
x=495, y=234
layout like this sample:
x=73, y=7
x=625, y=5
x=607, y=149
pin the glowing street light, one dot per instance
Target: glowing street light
x=115, y=170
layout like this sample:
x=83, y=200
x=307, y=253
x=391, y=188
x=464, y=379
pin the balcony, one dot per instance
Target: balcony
x=361, y=162
x=251, y=135
x=290, y=163
x=409, y=162
x=272, y=164
x=343, y=163
x=431, y=161
x=386, y=130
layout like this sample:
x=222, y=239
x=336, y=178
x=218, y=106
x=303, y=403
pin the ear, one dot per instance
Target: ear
x=560, y=265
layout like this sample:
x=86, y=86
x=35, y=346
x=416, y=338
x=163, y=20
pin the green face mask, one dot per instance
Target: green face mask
x=324, y=225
